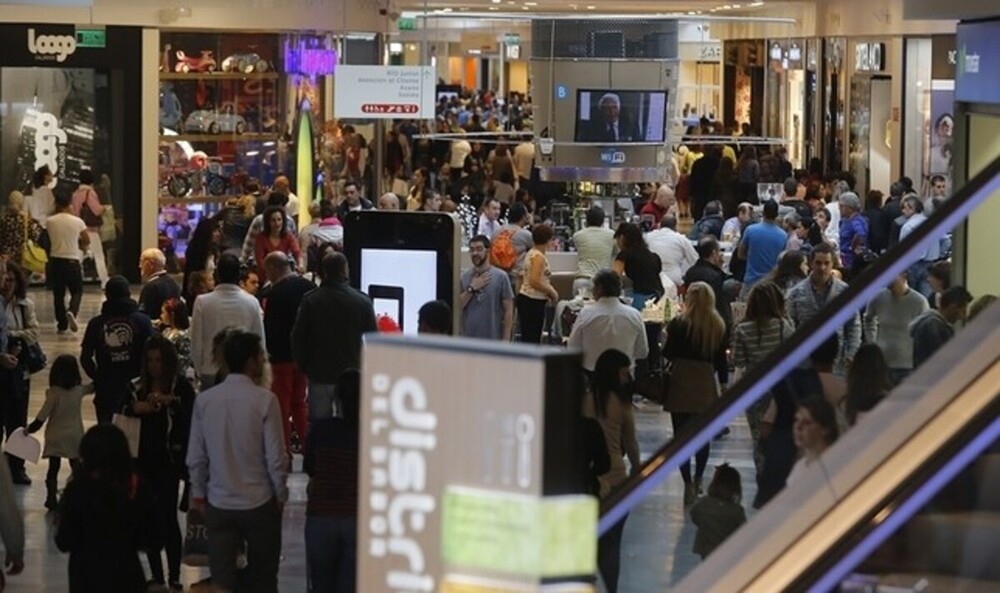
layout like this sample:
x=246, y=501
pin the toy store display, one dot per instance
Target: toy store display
x=220, y=101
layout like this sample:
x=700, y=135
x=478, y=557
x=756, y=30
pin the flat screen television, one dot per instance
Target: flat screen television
x=620, y=117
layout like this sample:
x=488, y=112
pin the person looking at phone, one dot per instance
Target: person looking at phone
x=487, y=298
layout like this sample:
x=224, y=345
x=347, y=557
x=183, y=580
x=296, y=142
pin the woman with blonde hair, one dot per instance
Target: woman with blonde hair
x=17, y=228
x=695, y=343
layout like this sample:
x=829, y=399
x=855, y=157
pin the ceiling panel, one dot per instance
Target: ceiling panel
x=522, y=7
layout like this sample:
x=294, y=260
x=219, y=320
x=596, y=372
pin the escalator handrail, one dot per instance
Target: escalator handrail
x=792, y=352
x=886, y=518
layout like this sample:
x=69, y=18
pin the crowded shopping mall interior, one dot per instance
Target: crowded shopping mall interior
x=499, y=296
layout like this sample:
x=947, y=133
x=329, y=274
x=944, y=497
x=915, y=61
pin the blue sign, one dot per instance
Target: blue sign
x=612, y=156
x=976, y=79
x=561, y=92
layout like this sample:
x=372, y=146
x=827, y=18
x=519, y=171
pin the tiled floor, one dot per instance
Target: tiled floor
x=657, y=543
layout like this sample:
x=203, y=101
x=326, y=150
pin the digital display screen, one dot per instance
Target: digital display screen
x=399, y=282
x=620, y=117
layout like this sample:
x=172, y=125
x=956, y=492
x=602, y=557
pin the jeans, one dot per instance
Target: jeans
x=680, y=420
x=323, y=401
x=919, y=280
x=65, y=274
x=290, y=387
x=331, y=553
x=609, y=555
x=260, y=528
x=164, y=485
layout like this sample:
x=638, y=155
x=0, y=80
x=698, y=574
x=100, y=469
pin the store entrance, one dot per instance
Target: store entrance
x=60, y=118
x=871, y=133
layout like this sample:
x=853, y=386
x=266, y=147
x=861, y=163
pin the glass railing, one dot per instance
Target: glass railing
x=940, y=533
x=653, y=558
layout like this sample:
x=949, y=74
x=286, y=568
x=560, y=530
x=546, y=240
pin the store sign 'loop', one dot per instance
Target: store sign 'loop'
x=43, y=46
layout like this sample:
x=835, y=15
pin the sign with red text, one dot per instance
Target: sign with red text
x=384, y=92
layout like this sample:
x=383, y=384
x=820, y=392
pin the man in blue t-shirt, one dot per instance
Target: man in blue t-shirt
x=761, y=246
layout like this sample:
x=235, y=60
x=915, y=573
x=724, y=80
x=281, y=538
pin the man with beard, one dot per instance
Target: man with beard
x=238, y=467
x=487, y=299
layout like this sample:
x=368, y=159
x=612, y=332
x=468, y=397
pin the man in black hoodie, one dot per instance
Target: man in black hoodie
x=111, y=353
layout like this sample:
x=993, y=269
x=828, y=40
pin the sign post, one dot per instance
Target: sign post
x=384, y=92
x=468, y=468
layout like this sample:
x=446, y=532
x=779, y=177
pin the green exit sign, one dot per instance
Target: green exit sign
x=91, y=38
x=407, y=24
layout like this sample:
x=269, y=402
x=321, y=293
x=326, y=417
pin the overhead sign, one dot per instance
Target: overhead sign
x=869, y=57
x=384, y=92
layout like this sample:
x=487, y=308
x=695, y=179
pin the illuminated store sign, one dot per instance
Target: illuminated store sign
x=309, y=59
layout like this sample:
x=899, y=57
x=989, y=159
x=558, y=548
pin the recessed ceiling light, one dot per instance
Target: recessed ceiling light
x=494, y=8
x=495, y=1
x=531, y=4
x=591, y=7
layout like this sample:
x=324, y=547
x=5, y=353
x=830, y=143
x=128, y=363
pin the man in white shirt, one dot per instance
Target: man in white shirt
x=489, y=220
x=524, y=159
x=594, y=245
x=228, y=306
x=676, y=252
x=608, y=323
x=68, y=235
x=238, y=468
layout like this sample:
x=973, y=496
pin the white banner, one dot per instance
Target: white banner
x=384, y=92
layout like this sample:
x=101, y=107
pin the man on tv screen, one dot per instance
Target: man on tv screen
x=612, y=124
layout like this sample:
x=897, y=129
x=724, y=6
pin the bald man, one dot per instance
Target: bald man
x=388, y=201
x=288, y=383
x=662, y=203
x=282, y=185
x=159, y=286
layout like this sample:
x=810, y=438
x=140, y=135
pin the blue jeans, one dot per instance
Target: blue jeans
x=331, y=553
x=917, y=277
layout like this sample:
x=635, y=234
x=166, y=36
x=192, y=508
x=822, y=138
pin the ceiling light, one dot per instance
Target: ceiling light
x=494, y=8
x=591, y=7
x=495, y=1
x=531, y=4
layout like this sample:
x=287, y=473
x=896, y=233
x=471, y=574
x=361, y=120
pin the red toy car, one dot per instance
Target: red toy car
x=204, y=63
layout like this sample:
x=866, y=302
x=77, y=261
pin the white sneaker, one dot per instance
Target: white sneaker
x=71, y=320
x=62, y=332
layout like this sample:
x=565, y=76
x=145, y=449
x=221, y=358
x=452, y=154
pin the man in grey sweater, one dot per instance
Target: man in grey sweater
x=887, y=323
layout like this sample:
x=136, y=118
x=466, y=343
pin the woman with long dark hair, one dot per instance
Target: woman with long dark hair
x=106, y=516
x=695, y=343
x=275, y=237
x=202, y=251
x=867, y=382
x=637, y=263
x=164, y=402
x=793, y=268
x=612, y=407
x=815, y=430
x=421, y=181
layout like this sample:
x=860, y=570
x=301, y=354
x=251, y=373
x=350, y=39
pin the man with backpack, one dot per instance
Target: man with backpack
x=511, y=242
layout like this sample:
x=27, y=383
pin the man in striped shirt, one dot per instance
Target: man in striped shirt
x=807, y=298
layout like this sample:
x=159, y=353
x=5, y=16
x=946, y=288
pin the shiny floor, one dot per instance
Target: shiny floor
x=657, y=544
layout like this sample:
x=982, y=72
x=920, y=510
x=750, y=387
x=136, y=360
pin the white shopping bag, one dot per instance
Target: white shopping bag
x=24, y=446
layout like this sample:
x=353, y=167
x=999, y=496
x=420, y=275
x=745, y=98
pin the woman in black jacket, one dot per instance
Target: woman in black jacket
x=695, y=343
x=106, y=517
x=164, y=401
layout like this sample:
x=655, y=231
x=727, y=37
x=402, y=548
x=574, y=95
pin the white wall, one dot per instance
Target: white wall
x=981, y=231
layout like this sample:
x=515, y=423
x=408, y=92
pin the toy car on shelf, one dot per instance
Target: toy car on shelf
x=215, y=122
x=203, y=63
x=245, y=63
